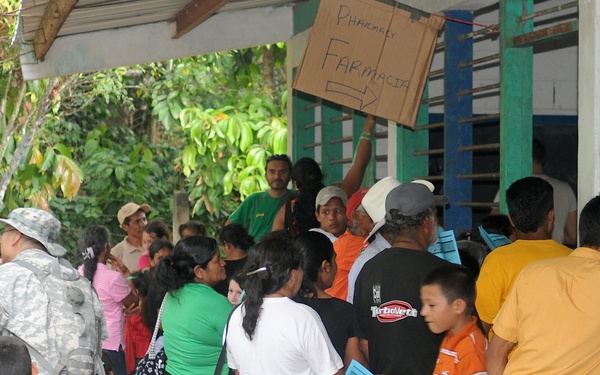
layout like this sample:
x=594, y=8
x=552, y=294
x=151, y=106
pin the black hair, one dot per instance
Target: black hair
x=157, y=245
x=176, y=270
x=14, y=356
x=158, y=228
x=398, y=224
x=472, y=254
x=589, y=224
x=538, y=152
x=197, y=227
x=314, y=248
x=308, y=178
x=280, y=157
x=92, y=243
x=456, y=282
x=236, y=235
x=497, y=224
x=529, y=200
x=277, y=254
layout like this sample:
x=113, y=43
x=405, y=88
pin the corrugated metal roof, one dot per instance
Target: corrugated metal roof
x=95, y=15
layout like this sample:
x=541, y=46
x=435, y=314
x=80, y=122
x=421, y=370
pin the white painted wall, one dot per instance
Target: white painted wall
x=555, y=72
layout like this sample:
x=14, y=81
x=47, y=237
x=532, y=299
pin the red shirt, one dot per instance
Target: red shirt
x=463, y=353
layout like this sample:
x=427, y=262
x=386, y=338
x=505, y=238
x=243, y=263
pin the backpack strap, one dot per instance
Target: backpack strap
x=64, y=361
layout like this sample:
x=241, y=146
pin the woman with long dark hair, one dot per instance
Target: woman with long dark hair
x=270, y=333
x=194, y=315
x=113, y=290
x=338, y=316
x=298, y=214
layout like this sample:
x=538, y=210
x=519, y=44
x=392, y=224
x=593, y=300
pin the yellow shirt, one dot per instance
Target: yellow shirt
x=553, y=314
x=501, y=268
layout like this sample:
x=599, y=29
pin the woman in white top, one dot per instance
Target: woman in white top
x=269, y=333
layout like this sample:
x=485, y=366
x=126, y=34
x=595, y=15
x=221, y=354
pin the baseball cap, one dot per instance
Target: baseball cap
x=39, y=225
x=376, y=205
x=353, y=203
x=329, y=192
x=412, y=199
x=130, y=209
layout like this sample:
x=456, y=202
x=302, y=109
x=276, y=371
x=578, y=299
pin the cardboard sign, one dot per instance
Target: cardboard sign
x=369, y=56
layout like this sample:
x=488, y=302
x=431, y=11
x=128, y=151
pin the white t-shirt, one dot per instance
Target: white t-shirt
x=289, y=339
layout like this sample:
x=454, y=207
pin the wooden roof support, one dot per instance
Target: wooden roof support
x=194, y=14
x=54, y=17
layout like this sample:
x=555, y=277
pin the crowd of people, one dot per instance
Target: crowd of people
x=311, y=281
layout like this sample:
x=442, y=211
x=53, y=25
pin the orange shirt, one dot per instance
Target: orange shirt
x=347, y=247
x=463, y=353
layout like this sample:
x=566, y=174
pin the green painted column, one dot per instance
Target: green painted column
x=409, y=141
x=303, y=113
x=331, y=129
x=516, y=96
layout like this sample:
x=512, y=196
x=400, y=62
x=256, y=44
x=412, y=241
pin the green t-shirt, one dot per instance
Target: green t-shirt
x=257, y=213
x=194, y=319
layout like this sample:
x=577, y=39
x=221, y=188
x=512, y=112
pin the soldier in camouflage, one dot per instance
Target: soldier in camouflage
x=44, y=301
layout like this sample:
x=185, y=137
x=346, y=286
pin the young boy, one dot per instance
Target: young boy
x=448, y=296
x=14, y=357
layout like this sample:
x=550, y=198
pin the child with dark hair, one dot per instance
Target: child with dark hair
x=448, y=295
x=192, y=228
x=270, y=333
x=14, y=357
x=137, y=335
x=234, y=292
x=158, y=250
x=236, y=244
x=154, y=231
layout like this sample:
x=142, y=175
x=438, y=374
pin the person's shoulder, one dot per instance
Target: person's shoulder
x=119, y=247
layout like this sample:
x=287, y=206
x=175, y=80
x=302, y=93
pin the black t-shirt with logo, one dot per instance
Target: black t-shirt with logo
x=387, y=301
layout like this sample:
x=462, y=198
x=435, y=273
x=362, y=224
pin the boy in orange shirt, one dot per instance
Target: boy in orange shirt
x=448, y=295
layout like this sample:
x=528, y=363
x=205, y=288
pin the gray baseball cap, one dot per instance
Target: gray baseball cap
x=39, y=225
x=412, y=199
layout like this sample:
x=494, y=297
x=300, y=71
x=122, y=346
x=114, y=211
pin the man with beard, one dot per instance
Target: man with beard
x=387, y=294
x=257, y=211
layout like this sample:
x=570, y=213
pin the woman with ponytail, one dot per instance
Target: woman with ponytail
x=112, y=288
x=194, y=315
x=270, y=333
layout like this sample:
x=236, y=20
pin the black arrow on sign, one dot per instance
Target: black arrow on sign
x=365, y=96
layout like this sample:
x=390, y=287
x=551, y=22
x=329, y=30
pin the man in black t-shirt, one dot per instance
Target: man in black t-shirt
x=387, y=296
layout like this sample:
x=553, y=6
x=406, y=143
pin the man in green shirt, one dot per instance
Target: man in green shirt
x=258, y=210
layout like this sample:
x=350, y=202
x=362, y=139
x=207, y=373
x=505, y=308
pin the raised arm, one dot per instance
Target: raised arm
x=353, y=179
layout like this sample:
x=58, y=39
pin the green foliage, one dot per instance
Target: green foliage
x=204, y=124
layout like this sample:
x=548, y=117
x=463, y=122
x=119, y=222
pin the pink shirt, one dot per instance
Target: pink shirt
x=112, y=290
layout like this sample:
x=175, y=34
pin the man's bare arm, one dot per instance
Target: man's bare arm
x=496, y=356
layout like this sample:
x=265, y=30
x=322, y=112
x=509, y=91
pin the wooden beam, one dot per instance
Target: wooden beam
x=54, y=17
x=194, y=14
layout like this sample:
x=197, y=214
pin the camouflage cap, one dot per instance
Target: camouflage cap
x=39, y=225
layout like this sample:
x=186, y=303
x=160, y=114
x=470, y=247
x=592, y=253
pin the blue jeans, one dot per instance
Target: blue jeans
x=117, y=358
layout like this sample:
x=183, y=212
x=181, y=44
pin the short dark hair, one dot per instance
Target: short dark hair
x=157, y=245
x=158, y=228
x=197, y=227
x=529, y=200
x=456, y=282
x=589, y=224
x=396, y=224
x=538, y=152
x=14, y=356
x=236, y=235
x=280, y=157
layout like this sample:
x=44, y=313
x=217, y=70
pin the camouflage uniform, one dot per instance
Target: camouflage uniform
x=23, y=302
